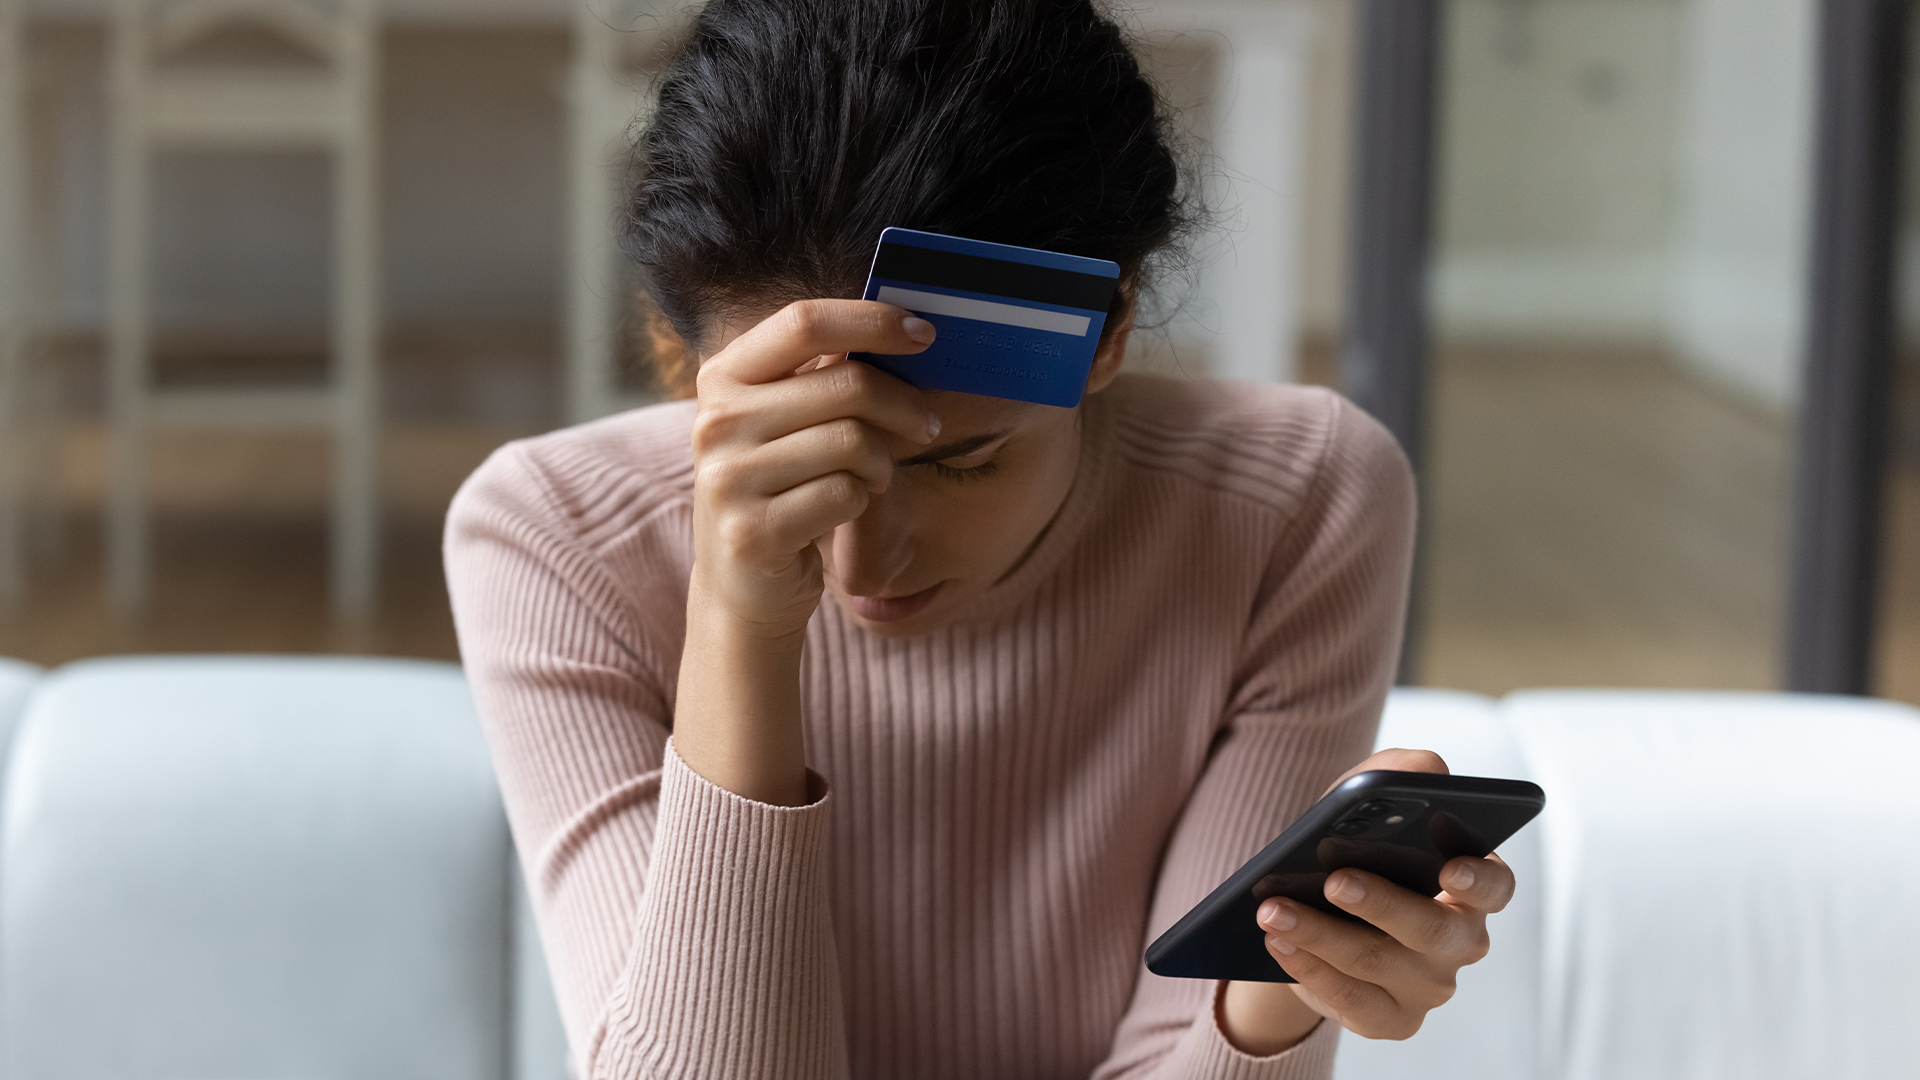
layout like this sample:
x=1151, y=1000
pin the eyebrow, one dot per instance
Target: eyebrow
x=955, y=449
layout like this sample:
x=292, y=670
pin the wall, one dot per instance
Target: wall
x=1554, y=205
x=1632, y=171
x=1329, y=148
x=1237, y=73
x=1737, y=311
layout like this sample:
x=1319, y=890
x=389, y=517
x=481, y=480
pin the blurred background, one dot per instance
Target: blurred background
x=263, y=355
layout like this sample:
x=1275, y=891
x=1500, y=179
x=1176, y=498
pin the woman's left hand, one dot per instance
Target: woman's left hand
x=1379, y=980
x=1376, y=980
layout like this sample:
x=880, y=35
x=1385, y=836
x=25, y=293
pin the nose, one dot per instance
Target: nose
x=871, y=552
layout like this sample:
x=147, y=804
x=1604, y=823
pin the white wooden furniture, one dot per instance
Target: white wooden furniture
x=615, y=45
x=157, y=102
x=14, y=304
x=31, y=425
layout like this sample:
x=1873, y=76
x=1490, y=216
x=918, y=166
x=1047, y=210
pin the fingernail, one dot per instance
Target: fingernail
x=1347, y=889
x=1461, y=879
x=919, y=330
x=1275, y=916
x=1279, y=946
x=933, y=427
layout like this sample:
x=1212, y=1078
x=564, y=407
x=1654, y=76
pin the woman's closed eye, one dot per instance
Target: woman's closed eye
x=955, y=469
x=965, y=459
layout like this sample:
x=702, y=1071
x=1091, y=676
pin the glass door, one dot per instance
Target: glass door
x=1618, y=321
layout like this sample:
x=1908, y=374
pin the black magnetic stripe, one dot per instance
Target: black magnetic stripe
x=996, y=277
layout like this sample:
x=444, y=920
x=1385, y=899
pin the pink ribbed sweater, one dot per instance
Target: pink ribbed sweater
x=1008, y=809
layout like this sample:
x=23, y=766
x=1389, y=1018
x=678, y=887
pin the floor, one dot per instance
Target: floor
x=1594, y=518
x=1600, y=520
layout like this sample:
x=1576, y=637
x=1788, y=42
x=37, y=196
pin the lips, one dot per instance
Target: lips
x=885, y=609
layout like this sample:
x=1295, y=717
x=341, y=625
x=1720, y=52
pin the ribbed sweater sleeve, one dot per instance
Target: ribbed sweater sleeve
x=687, y=928
x=733, y=973
x=1316, y=663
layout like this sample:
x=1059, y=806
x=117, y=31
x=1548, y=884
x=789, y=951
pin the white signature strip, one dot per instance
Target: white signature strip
x=962, y=307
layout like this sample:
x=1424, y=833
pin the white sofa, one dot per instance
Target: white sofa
x=1722, y=886
x=279, y=867
x=258, y=867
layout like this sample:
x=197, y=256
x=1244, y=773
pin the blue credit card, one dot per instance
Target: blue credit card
x=1013, y=322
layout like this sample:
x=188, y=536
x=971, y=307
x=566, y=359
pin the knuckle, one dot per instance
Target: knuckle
x=1478, y=945
x=804, y=318
x=716, y=476
x=703, y=379
x=1436, y=931
x=846, y=436
x=851, y=384
x=844, y=490
x=1370, y=961
x=1345, y=996
x=713, y=426
x=1401, y=1027
x=739, y=537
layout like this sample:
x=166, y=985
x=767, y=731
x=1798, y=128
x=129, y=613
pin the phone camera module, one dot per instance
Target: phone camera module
x=1374, y=808
x=1351, y=827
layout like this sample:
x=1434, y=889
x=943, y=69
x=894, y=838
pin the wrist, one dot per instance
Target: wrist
x=1262, y=1019
x=737, y=707
x=755, y=603
x=715, y=622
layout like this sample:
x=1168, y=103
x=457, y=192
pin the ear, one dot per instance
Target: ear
x=674, y=365
x=1106, y=362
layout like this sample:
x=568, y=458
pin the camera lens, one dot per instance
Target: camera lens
x=1350, y=827
x=1374, y=808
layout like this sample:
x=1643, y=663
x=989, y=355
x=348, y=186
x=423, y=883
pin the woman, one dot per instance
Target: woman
x=850, y=730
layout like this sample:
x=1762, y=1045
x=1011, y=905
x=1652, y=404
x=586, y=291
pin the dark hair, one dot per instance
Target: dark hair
x=788, y=133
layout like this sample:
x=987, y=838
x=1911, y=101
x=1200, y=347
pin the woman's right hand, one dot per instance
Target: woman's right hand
x=781, y=459
x=790, y=442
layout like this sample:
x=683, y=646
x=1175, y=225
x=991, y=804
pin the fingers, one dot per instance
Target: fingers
x=793, y=519
x=1363, y=952
x=754, y=414
x=843, y=445
x=1444, y=932
x=809, y=328
x=1482, y=885
x=1362, y=1007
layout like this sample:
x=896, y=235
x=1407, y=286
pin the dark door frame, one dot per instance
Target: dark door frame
x=1846, y=389
x=1383, y=362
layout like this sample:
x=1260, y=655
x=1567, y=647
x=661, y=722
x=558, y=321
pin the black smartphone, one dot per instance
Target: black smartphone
x=1403, y=826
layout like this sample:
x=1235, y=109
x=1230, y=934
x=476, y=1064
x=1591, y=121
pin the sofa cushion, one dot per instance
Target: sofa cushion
x=1730, y=884
x=253, y=867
